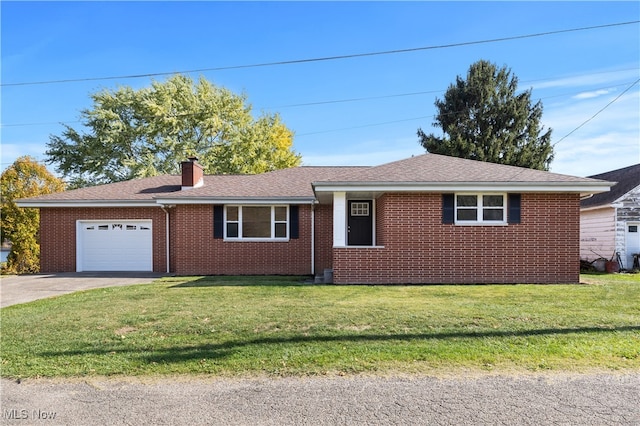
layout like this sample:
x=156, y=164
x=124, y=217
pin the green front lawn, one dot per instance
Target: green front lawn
x=245, y=326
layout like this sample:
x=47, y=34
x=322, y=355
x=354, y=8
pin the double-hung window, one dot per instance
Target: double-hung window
x=256, y=222
x=480, y=208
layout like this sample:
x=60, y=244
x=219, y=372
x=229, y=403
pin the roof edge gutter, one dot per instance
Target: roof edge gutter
x=580, y=187
x=237, y=200
x=93, y=203
x=165, y=201
x=602, y=206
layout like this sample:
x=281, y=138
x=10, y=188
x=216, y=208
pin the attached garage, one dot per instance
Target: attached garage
x=115, y=245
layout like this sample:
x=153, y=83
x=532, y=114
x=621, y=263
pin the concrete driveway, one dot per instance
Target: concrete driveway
x=15, y=289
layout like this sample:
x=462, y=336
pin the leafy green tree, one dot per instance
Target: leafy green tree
x=484, y=118
x=146, y=132
x=24, y=178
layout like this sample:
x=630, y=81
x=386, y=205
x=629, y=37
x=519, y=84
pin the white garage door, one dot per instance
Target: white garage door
x=114, y=246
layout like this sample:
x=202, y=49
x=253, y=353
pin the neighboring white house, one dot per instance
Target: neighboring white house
x=5, y=249
x=610, y=221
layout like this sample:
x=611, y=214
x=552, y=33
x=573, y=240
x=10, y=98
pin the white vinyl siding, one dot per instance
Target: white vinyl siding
x=597, y=234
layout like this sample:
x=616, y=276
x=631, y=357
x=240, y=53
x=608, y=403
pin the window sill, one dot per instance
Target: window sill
x=256, y=240
x=481, y=223
x=360, y=247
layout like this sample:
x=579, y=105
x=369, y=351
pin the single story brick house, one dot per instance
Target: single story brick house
x=425, y=219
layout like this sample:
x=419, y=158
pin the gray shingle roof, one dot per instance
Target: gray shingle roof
x=291, y=183
x=285, y=183
x=627, y=178
x=132, y=190
x=299, y=182
x=441, y=168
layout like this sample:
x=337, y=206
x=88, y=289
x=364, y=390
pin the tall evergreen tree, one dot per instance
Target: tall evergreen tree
x=484, y=118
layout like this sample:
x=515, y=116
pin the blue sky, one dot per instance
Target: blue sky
x=365, y=110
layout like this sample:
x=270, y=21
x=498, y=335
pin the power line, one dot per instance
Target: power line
x=326, y=58
x=366, y=125
x=397, y=95
x=334, y=101
x=431, y=116
x=455, y=112
x=367, y=98
x=594, y=115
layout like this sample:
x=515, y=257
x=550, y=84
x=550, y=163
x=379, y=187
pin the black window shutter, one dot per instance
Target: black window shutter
x=448, y=208
x=513, y=215
x=218, y=221
x=294, y=222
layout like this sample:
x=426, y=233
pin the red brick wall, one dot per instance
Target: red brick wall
x=324, y=237
x=380, y=222
x=418, y=248
x=58, y=234
x=196, y=252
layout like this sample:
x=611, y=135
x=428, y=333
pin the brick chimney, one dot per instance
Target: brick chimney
x=192, y=174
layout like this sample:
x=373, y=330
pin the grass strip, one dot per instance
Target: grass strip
x=279, y=326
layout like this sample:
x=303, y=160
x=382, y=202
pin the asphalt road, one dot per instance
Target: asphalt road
x=590, y=399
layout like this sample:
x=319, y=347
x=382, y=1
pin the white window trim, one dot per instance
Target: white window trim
x=273, y=223
x=479, y=220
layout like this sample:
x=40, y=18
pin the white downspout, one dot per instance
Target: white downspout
x=313, y=239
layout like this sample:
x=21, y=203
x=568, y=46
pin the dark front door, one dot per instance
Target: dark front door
x=360, y=223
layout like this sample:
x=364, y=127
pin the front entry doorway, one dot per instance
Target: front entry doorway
x=633, y=245
x=360, y=223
